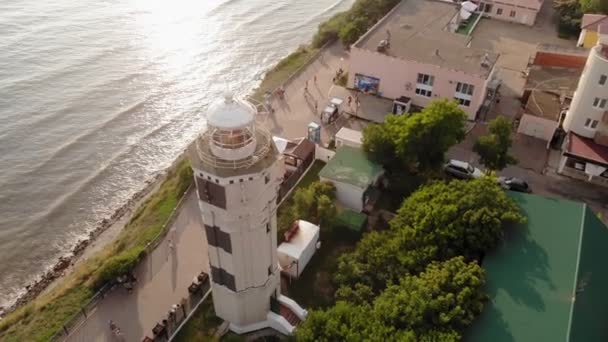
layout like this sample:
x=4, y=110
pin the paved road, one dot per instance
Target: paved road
x=544, y=180
x=163, y=280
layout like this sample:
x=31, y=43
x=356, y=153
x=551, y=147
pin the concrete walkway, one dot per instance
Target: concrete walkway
x=293, y=113
x=163, y=280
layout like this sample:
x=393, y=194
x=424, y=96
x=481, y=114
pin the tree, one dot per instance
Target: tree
x=436, y=305
x=594, y=6
x=457, y=218
x=447, y=295
x=380, y=259
x=342, y=322
x=379, y=144
x=315, y=203
x=418, y=141
x=437, y=222
x=352, y=30
x=493, y=149
x=570, y=14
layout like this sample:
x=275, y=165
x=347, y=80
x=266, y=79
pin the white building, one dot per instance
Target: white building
x=238, y=171
x=349, y=137
x=585, y=151
x=299, y=247
x=353, y=175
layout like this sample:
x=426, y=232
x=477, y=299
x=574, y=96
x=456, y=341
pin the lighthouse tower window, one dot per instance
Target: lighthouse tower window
x=211, y=193
x=217, y=238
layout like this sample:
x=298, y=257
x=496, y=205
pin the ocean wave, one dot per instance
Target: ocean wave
x=67, y=147
x=223, y=6
x=317, y=16
x=256, y=15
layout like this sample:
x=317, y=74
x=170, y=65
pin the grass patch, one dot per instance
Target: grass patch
x=311, y=176
x=40, y=319
x=315, y=288
x=202, y=325
x=283, y=70
x=350, y=25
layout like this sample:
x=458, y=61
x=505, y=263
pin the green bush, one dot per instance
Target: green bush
x=117, y=265
x=570, y=15
x=329, y=30
x=350, y=25
x=351, y=32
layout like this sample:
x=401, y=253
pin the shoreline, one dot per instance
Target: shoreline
x=86, y=247
x=97, y=239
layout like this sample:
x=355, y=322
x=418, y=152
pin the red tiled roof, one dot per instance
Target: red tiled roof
x=586, y=148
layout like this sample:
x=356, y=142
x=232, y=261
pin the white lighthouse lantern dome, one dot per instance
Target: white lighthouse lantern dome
x=231, y=127
x=230, y=113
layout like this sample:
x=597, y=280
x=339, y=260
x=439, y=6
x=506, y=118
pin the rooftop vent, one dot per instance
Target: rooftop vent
x=485, y=61
x=383, y=45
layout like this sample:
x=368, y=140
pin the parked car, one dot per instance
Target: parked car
x=514, y=184
x=462, y=170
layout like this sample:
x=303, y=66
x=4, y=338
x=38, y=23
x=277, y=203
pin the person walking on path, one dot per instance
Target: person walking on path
x=170, y=248
x=315, y=79
x=306, y=87
x=316, y=107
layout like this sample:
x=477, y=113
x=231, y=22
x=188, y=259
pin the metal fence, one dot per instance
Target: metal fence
x=169, y=325
x=72, y=323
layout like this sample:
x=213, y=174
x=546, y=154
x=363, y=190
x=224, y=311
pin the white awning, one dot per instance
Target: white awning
x=349, y=135
x=336, y=101
x=469, y=6
x=281, y=143
x=593, y=169
x=464, y=14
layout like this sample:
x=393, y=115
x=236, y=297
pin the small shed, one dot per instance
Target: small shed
x=353, y=174
x=349, y=137
x=299, y=247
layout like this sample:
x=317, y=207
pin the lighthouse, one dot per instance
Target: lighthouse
x=238, y=171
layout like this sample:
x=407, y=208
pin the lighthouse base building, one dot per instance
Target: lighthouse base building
x=238, y=172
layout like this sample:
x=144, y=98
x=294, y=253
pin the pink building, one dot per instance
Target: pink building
x=518, y=11
x=414, y=52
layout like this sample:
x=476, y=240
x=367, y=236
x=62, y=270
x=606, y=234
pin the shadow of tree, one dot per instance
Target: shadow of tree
x=530, y=268
x=500, y=329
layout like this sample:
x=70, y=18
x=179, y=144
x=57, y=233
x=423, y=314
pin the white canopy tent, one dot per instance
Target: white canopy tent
x=281, y=143
x=466, y=9
x=469, y=6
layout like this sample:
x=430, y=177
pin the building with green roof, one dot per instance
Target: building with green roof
x=547, y=281
x=352, y=174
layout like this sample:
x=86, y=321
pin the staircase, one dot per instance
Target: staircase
x=289, y=315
